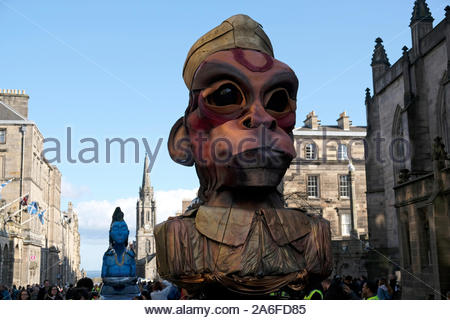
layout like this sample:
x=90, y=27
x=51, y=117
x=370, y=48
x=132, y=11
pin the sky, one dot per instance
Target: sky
x=112, y=69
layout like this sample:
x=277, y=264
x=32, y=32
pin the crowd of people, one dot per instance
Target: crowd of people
x=85, y=289
x=336, y=288
x=350, y=288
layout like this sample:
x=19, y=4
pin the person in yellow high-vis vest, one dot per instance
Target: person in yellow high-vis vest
x=369, y=291
x=315, y=294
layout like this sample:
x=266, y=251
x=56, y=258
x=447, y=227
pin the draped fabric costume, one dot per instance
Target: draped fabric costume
x=247, y=251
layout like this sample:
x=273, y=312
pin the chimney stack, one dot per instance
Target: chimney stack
x=311, y=121
x=344, y=121
x=16, y=99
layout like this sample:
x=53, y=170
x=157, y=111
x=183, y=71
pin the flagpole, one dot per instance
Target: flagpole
x=34, y=216
x=12, y=215
x=10, y=203
x=28, y=220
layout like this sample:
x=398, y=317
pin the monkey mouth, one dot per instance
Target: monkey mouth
x=263, y=158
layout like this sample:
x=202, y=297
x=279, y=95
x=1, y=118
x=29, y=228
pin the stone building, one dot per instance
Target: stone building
x=71, y=240
x=145, y=224
x=319, y=180
x=185, y=203
x=32, y=249
x=408, y=179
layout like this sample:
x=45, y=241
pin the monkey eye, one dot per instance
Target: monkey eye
x=278, y=101
x=225, y=93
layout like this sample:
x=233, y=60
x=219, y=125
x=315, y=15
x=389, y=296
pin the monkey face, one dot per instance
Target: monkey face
x=240, y=120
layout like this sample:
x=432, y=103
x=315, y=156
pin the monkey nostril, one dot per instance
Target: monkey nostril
x=247, y=123
x=273, y=125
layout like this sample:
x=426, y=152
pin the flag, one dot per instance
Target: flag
x=5, y=183
x=33, y=208
x=24, y=201
x=41, y=216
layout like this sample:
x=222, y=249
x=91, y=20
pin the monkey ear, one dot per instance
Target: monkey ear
x=179, y=144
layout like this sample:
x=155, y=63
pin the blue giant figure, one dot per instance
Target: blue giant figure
x=118, y=260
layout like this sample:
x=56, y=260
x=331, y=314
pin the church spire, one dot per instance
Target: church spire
x=146, y=174
x=421, y=12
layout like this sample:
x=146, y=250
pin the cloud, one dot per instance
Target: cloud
x=70, y=191
x=168, y=203
x=97, y=214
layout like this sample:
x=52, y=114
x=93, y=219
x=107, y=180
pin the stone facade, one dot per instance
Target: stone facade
x=31, y=251
x=145, y=224
x=408, y=204
x=318, y=180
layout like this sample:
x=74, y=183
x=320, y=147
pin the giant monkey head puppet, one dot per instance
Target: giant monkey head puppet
x=237, y=131
x=238, y=125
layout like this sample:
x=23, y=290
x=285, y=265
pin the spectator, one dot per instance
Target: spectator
x=4, y=293
x=174, y=293
x=24, y=295
x=69, y=292
x=359, y=284
x=369, y=291
x=161, y=290
x=348, y=280
x=53, y=294
x=44, y=290
x=86, y=283
x=384, y=291
x=393, y=283
x=34, y=292
x=95, y=295
x=14, y=292
x=349, y=292
x=80, y=294
x=335, y=290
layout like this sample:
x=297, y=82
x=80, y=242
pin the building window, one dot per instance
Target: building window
x=346, y=223
x=342, y=152
x=2, y=135
x=313, y=186
x=311, y=151
x=344, y=186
